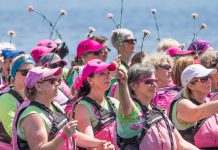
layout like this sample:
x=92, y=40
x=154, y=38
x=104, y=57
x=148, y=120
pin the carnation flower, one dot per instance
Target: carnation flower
x=92, y=29
x=30, y=8
x=153, y=10
x=203, y=26
x=11, y=33
x=109, y=15
x=146, y=32
x=58, y=41
x=63, y=12
x=194, y=16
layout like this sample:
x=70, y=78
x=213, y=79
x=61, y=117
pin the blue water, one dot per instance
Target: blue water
x=174, y=19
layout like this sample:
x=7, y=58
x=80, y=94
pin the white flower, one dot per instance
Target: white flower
x=153, y=10
x=109, y=15
x=11, y=33
x=203, y=26
x=58, y=41
x=146, y=32
x=63, y=12
x=194, y=16
x=30, y=8
x=91, y=29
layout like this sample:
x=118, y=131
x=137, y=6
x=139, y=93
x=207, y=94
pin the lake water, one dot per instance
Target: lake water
x=173, y=16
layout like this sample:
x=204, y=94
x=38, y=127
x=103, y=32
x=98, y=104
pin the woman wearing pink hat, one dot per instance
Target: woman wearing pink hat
x=40, y=123
x=95, y=112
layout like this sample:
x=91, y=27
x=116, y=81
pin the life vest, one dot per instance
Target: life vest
x=57, y=118
x=204, y=134
x=105, y=129
x=157, y=133
x=4, y=137
x=164, y=96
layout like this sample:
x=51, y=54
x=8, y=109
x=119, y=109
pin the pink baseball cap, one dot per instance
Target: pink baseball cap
x=93, y=66
x=88, y=45
x=48, y=43
x=39, y=51
x=37, y=74
x=174, y=51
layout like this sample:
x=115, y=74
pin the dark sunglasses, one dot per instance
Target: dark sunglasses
x=51, y=81
x=130, y=41
x=201, y=79
x=56, y=65
x=166, y=67
x=23, y=72
x=150, y=81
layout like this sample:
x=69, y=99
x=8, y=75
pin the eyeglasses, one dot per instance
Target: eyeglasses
x=202, y=79
x=51, y=81
x=56, y=65
x=166, y=67
x=150, y=81
x=23, y=72
x=130, y=41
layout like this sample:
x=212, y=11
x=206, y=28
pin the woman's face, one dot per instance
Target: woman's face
x=163, y=74
x=214, y=81
x=201, y=85
x=104, y=52
x=49, y=87
x=100, y=81
x=21, y=75
x=146, y=88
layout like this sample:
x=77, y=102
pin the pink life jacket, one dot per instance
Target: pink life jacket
x=157, y=132
x=164, y=96
x=58, y=120
x=204, y=134
x=105, y=129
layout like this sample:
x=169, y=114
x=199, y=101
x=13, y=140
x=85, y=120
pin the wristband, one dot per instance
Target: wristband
x=63, y=136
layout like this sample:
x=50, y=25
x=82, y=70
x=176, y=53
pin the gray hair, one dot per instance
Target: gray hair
x=209, y=59
x=166, y=43
x=138, y=72
x=122, y=34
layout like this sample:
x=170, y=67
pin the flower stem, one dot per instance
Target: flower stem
x=49, y=22
x=51, y=33
x=142, y=43
x=121, y=13
x=158, y=35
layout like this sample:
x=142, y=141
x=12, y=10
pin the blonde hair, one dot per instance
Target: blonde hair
x=166, y=43
x=157, y=58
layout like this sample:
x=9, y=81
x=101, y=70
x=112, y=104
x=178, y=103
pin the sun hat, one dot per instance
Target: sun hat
x=93, y=66
x=37, y=74
x=174, y=51
x=48, y=43
x=194, y=70
x=18, y=61
x=8, y=53
x=52, y=58
x=199, y=46
x=88, y=45
x=39, y=51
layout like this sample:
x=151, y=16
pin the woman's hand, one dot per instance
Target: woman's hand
x=70, y=128
x=105, y=145
x=121, y=76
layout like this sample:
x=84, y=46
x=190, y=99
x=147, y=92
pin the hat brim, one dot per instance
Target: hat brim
x=206, y=72
x=110, y=67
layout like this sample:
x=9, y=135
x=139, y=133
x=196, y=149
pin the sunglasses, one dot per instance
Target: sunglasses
x=150, y=81
x=51, y=81
x=166, y=67
x=23, y=72
x=130, y=41
x=201, y=79
x=56, y=65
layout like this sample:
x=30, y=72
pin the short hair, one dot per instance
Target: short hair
x=157, y=58
x=137, y=57
x=138, y=72
x=209, y=59
x=119, y=35
x=100, y=39
x=179, y=66
x=30, y=93
x=166, y=43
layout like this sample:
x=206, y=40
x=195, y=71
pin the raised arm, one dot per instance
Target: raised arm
x=126, y=103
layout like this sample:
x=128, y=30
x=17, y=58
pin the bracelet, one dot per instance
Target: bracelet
x=63, y=136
